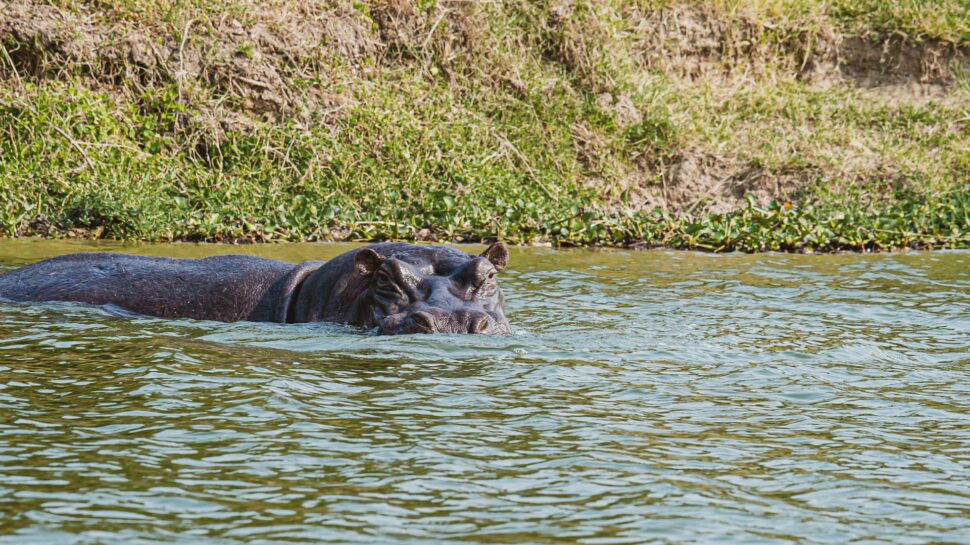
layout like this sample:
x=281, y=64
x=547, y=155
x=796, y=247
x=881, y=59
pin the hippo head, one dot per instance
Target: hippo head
x=449, y=293
x=408, y=288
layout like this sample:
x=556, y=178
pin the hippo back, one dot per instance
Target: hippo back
x=226, y=288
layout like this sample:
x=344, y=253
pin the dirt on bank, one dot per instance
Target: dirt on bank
x=693, y=41
x=265, y=64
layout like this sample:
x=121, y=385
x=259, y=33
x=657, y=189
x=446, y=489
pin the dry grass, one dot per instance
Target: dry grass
x=417, y=119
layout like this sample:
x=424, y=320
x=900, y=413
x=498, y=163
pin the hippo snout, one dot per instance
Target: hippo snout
x=438, y=321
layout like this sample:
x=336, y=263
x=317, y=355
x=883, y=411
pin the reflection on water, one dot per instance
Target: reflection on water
x=653, y=396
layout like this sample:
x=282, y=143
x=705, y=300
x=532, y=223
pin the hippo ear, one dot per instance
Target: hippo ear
x=498, y=255
x=367, y=261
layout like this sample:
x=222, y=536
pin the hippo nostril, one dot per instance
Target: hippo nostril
x=423, y=321
x=478, y=324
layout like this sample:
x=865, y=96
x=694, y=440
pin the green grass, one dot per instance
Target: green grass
x=945, y=20
x=494, y=127
x=423, y=170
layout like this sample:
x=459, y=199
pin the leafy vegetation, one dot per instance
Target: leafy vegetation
x=557, y=122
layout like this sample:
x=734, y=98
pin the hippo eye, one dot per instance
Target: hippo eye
x=487, y=285
x=385, y=284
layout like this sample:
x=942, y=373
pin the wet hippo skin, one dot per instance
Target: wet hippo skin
x=395, y=287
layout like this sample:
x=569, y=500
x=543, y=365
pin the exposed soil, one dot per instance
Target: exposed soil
x=697, y=41
x=904, y=73
x=276, y=66
x=696, y=182
x=691, y=42
x=253, y=70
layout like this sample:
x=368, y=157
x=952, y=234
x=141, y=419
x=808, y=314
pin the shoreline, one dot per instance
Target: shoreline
x=716, y=126
x=754, y=230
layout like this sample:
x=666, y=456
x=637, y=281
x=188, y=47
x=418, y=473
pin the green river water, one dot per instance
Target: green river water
x=646, y=397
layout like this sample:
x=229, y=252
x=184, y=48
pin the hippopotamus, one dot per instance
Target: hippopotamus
x=394, y=287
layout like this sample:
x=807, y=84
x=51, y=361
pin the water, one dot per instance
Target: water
x=664, y=397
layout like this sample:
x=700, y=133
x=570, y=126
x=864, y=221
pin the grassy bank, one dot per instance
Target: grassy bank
x=788, y=124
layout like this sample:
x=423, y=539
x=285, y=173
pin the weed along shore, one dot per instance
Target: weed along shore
x=793, y=125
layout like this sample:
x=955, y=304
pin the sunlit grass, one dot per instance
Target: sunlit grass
x=505, y=136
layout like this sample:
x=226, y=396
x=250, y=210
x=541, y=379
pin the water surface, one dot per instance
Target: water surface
x=665, y=397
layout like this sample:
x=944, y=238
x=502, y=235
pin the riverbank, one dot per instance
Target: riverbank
x=786, y=125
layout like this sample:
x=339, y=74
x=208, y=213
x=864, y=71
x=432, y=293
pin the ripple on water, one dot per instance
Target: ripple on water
x=656, y=396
